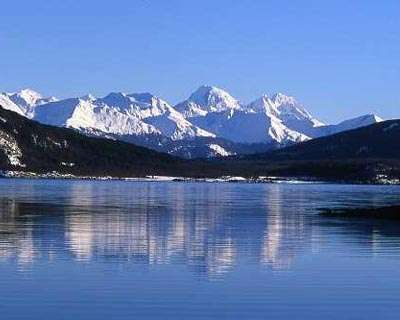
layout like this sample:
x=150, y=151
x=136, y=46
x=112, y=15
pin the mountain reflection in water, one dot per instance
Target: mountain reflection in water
x=209, y=228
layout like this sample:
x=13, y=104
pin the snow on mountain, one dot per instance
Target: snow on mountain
x=280, y=118
x=297, y=118
x=9, y=146
x=217, y=151
x=264, y=104
x=87, y=114
x=7, y=103
x=294, y=116
x=209, y=112
x=288, y=110
x=120, y=114
x=169, y=122
x=350, y=124
x=27, y=97
x=291, y=110
x=24, y=102
x=214, y=110
x=248, y=127
x=207, y=99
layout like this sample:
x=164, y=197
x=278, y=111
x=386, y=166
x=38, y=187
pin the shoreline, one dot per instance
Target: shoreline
x=223, y=179
x=154, y=178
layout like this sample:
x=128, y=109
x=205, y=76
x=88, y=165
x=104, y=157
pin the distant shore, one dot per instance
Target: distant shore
x=157, y=178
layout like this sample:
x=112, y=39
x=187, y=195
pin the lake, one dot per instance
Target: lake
x=168, y=250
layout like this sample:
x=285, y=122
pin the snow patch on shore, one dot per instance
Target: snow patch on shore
x=222, y=179
x=219, y=151
x=11, y=149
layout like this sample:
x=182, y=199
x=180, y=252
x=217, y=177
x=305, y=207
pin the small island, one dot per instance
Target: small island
x=383, y=213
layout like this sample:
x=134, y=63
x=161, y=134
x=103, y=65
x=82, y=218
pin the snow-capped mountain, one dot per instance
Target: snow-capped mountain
x=290, y=112
x=120, y=114
x=216, y=111
x=350, y=124
x=207, y=99
x=166, y=119
x=24, y=101
x=31, y=149
x=209, y=122
x=246, y=126
x=278, y=118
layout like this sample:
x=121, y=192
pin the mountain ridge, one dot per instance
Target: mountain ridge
x=367, y=154
x=209, y=112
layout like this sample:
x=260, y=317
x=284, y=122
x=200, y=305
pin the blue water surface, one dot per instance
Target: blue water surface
x=169, y=250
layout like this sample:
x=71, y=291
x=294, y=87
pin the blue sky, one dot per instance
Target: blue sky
x=340, y=58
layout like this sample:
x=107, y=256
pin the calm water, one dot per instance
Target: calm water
x=130, y=250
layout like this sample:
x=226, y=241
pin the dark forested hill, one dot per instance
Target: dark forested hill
x=28, y=145
x=358, y=155
x=377, y=141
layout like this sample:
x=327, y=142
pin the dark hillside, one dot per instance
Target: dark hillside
x=40, y=148
x=377, y=141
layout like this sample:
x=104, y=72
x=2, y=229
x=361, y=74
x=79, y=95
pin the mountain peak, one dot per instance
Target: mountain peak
x=349, y=124
x=204, y=91
x=263, y=104
x=28, y=97
x=365, y=119
x=29, y=93
x=117, y=99
x=281, y=98
x=117, y=95
x=208, y=112
x=146, y=97
x=88, y=97
x=213, y=99
x=374, y=117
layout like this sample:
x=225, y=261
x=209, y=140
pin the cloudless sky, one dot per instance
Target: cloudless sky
x=340, y=58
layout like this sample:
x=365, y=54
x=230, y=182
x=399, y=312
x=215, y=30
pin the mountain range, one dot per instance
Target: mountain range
x=210, y=122
x=369, y=153
x=366, y=154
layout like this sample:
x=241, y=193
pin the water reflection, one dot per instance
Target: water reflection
x=16, y=240
x=209, y=228
x=284, y=234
